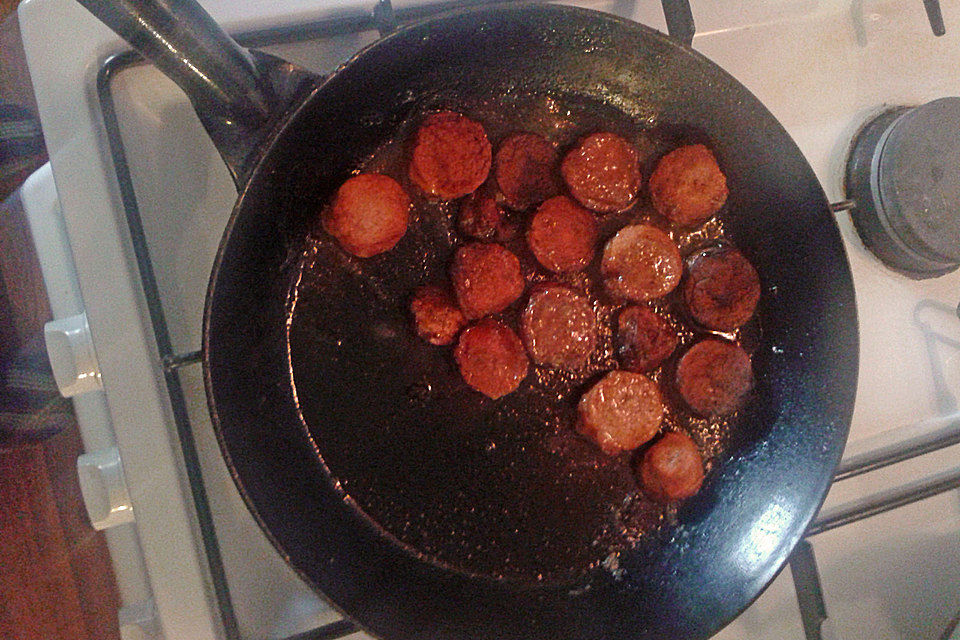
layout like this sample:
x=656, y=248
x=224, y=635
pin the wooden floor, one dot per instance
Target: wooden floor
x=55, y=576
x=56, y=582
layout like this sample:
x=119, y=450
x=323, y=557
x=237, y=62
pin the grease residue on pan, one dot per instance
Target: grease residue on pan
x=506, y=488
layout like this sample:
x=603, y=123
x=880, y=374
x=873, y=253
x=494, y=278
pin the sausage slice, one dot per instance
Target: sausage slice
x=436, y=317
x=603, y=172
x=559, y=327
x=621, y=412
x=368, y=215
x=641, y=263
x=562, y=235
x=482, y=218
x=524, y=168
x=687, y=186
x=714, y=377
x=491, y=358
x=486, y=278
x=644, y=339
x=451, y=156
x=722, y=289
x=672, y=468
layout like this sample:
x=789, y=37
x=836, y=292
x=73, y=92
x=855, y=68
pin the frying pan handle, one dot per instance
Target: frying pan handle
x=239, y=94
x=679, y=18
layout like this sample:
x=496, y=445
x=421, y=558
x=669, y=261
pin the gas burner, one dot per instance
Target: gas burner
x=902, y=177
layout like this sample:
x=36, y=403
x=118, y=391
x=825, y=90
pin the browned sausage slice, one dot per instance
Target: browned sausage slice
x=524, y=169
x=644, y=339
x=436, y=317
x=714, y=377
x=559, y=327
x=641, y=263
x=621, y=412
x=486, y=278
x=491, y=358
x=603, y=172
x=562, y=235
x=672, y=468
x=687, y=186
x=451, y=156
x=721, y=289
x=482, y=218
x=368, y=215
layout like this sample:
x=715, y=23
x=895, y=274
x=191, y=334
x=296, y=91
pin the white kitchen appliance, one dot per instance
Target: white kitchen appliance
x=128, y=214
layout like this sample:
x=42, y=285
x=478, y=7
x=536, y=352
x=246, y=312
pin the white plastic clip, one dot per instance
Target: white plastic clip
x=104, y=488
x=70, y=349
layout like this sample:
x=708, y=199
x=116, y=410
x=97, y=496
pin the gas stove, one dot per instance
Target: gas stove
x=128, y=234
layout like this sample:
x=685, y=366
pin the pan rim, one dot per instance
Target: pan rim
x=269, y=150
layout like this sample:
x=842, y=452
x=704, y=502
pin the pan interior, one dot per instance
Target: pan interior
x=503, y=488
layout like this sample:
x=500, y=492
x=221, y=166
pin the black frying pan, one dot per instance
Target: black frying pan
x=419, y=508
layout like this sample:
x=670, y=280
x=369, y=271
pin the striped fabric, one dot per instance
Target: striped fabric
x=31, y=408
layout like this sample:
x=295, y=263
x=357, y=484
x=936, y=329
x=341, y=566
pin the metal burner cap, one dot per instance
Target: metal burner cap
x=903, y=173
x=918, y=178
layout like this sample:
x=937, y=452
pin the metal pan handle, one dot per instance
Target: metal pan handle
x=679, y=18
x=237, y=93
x=184, y=42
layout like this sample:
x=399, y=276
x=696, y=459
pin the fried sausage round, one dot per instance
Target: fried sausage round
x=671, y=469
x=559, y=327
x=491, y=358
x=482, y=218
x=368, y=215
x=621, y=412
x=451, y=156
x=524, y=169
x=641, y=263
x=721, y=289
x=714, y=377
x=486, y=278
x=436, y=317
x=562, y=235
x=687, y=186
x=603, y=172
x=644, y=339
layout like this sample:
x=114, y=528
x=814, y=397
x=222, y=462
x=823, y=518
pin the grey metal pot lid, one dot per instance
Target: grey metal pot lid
x=917, y=177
